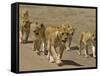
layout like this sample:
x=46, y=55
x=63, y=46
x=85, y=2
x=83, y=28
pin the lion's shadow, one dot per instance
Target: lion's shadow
x=70, y=62
x=27, y=42
x=74, y=48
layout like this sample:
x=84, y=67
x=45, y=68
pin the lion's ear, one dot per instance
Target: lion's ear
x=34, y=31
x=68, y=26
x=42, y=25
x=63, y=26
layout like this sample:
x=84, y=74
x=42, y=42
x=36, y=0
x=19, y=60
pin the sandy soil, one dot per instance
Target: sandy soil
x=81, y=19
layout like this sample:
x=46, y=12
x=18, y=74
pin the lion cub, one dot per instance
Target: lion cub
x=87, y=39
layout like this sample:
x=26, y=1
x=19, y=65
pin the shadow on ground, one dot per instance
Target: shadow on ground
x=70, y=62
x=27, y=42
x=91, y=55
x=74, y=48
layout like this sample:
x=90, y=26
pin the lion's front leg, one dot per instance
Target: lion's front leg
x=93, y=48
x=80, y=47
x=58, y=60
x=42, y=46
x=93, y=51
x=27, y=35
x=23, y=38
x=59, y=52
x=86, y=50
x=50, y=55
x=68, y=43
x=33, y=46
x=20, y=36
x=67, y=46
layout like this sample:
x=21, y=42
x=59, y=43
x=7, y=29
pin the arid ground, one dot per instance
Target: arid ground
x=82, y=19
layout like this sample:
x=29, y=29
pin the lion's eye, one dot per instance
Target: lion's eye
x=37, y=33
x=67, y=33
x=34, y=31
x=62, y=33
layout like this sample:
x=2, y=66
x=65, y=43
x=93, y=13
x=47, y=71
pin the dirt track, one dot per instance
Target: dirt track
x=81, y=19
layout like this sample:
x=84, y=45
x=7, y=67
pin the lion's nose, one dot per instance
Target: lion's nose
x=37, y=33
x=65, y=38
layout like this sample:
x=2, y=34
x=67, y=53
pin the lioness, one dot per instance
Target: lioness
x=39, y=41
x=25, y=16
x=24, y=31
x=25, y=27
x=86, y=39
x=56, y=38
x=71, y=32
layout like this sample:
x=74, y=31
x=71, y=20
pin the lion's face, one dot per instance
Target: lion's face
x=64, y=36
x=66, y=31
x=63, y=33
x=70, y=29
x=38, y=29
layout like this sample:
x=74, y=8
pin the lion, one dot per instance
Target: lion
x=36, y=46
x=39, y=41
x=25, y=27
x=56, y=37
x=71, y=32
x=87, y=39
x=24, y=31
x=25, y=16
